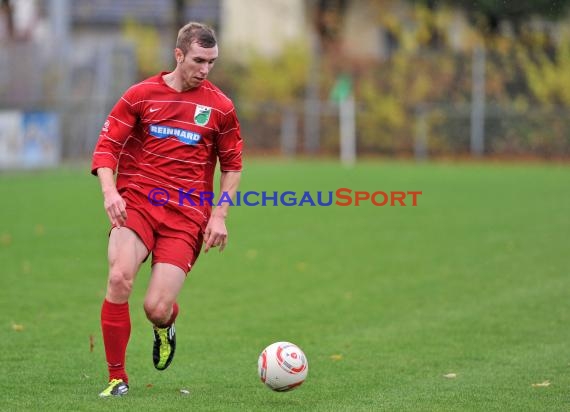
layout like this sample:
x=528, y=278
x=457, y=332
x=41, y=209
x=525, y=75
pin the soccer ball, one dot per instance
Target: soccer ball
x=282, y=366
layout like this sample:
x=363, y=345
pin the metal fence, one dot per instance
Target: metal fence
x=80, y=90
x=432, y=130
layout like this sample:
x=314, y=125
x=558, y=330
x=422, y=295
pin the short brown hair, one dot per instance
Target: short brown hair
x=192, y=32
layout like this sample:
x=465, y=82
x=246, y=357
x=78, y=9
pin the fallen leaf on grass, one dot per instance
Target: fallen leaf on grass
x=301, y=266
x=336, y=357
x=26, y=267
x=17, y=327
x=5, y=239
x=149, y=385
x=450, y=376
x=251, y=254
x=541, y=385
x=40, y=229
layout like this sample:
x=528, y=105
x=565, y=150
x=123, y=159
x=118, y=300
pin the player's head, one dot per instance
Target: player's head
x=195, y=53
x=198, y=33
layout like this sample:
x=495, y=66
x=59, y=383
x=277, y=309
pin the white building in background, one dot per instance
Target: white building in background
x=361, y=28
x=266, y=26
x=261, y=26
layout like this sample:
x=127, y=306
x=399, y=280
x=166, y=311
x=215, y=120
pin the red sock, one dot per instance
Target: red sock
x=174, y=314
x=116, y=327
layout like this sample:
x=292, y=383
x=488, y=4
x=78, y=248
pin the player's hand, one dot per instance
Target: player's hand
x=115, y=206
x=216, y=234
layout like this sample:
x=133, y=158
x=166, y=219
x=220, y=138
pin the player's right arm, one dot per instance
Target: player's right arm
x=114, y=134
x=114, y=204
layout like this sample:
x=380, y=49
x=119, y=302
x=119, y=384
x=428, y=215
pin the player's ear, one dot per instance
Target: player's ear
x=178, y=55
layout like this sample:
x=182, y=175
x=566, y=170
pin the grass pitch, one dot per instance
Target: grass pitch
x=457, y=304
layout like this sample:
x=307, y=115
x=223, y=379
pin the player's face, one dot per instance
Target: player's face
x=196, y=64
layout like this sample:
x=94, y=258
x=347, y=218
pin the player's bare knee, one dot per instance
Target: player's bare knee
x=119, y=283
x=157, y=312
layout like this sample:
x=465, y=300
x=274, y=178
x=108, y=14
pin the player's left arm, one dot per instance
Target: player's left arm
x=228, y=146
x=216, y=233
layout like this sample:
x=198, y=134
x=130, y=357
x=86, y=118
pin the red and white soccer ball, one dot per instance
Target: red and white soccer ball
x=282, y=366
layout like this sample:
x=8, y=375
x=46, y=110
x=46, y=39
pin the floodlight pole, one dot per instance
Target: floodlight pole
x=61, y=23
x=347, y=114
x=59, y=13
x=478, y=102
x=312, y=106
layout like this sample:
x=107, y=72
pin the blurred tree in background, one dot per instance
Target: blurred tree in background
x=281, y=80
x=526, y=68
x=489, y=14
x=146, y=40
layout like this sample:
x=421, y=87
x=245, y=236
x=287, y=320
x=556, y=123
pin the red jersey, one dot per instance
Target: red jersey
x=157, y=137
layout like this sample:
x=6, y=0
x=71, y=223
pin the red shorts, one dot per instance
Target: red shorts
x=167, y=233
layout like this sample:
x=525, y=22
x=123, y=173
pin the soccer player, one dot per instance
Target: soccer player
x=163, y=137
